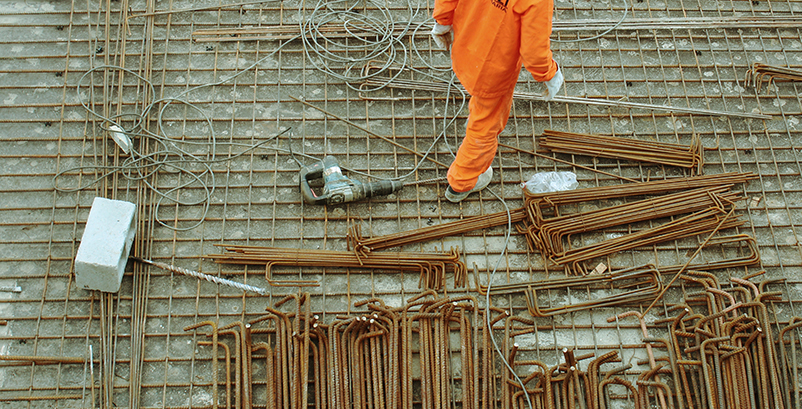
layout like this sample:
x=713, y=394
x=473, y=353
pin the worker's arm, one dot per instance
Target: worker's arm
x=535, y=43
x=444, y=11
x=443, y=17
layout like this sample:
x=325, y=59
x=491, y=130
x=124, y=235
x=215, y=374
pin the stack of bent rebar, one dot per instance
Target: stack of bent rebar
x=723, y=350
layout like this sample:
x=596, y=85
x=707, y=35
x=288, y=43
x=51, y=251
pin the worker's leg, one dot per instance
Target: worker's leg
x=487, y=118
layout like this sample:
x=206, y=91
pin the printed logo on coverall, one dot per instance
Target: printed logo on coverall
x=500, y=4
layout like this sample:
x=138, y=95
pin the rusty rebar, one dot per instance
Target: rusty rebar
x=432, y=267
x=363, y=245
x=376, y=359
x=662, y=153
x=39, y=359
x=215, y=368
x=761, y=73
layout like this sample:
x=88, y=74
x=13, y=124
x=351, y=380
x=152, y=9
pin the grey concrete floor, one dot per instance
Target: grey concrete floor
x=57, y=157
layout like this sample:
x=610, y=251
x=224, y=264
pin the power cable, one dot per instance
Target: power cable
x=169, y=154
x=388, y=52
x=487, y=299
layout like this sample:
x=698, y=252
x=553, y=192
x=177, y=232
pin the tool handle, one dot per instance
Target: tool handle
x=381, y=188
x=307, y=173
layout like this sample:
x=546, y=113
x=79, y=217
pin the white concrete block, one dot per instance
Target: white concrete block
x=105, y=245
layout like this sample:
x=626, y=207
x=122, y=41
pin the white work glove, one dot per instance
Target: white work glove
x=442, y=36
x=554, y=84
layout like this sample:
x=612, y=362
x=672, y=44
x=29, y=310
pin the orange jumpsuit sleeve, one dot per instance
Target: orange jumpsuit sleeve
x=444, y=11
x=535, y=43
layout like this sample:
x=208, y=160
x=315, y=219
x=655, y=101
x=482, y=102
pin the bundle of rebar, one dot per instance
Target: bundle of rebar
x=549, y=236
x=564, y=385
x=363, y=245
x=537, y=204
x=662, y=153
x=286, y=356
x=699, y=223
x=369, y=360
x=735, y=242
x=547, y=230
x=724, y=352
x=630, y=286
x=764, y=73
x=546, y=234
x=534, y=210
x=432, y=267
x=725, y=349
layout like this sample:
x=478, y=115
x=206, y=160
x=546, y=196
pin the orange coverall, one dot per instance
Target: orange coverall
x=492, y=39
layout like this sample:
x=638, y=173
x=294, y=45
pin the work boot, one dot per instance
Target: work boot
x=481, y=183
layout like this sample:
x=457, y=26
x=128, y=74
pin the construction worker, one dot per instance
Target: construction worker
x=491, y=40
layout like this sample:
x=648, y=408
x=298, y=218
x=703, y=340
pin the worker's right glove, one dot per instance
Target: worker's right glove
x=554, y=84
x=442, y=36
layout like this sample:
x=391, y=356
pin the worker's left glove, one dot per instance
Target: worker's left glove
x=442, y=36
x=554, y=84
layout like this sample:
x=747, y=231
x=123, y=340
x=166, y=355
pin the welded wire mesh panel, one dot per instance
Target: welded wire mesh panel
x=223, y=103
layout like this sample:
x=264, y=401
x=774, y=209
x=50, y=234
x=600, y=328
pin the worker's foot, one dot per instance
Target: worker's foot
x=481, y=183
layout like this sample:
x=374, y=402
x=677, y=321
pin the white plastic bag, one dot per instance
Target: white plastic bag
x=545, y=182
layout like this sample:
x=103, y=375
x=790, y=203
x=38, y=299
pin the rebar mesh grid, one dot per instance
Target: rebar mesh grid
x=141, y=354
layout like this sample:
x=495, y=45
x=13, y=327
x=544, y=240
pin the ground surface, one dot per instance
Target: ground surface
x=52, y=121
